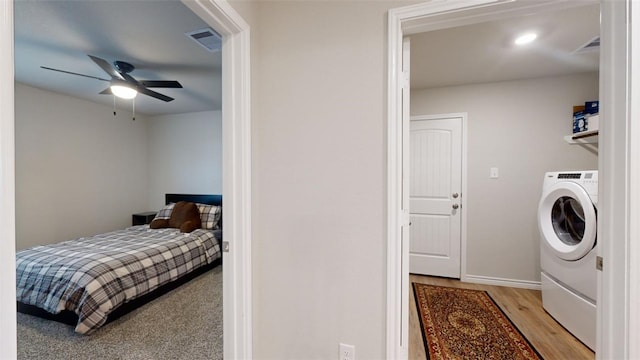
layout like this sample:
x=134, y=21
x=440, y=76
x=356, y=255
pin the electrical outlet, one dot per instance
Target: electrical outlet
x=493, y=173
x=347, y=352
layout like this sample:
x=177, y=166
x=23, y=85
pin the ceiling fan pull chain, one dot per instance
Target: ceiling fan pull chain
x=114, y=105
x=134, y=109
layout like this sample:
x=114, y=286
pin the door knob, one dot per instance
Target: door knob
x=455, y=195
x=455, y=206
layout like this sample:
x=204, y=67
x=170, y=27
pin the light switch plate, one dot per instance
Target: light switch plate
x=493, y=173
x=347, y=352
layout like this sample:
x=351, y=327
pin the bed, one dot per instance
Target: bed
x=92, y=280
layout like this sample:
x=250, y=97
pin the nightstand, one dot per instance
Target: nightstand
x=143, y=217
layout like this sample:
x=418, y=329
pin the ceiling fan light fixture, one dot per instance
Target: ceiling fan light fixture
x=123, y=91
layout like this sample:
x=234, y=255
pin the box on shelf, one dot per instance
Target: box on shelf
x=591, y=107
x=585, y=117
x=579, y=122
x=593, y=122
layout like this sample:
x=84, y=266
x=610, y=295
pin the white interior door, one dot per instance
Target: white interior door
x=435, y=195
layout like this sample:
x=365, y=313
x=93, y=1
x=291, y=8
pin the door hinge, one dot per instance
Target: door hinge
x=406, y=80
x=225, y=246
x=599, y=263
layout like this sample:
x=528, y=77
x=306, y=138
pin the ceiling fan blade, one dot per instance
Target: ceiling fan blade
x=161, y=83
x=154, y=94
x=108, y=68
x=72, y=73
x=130, y=79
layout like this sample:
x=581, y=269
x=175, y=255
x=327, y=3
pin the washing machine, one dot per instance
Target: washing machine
x=567, y=219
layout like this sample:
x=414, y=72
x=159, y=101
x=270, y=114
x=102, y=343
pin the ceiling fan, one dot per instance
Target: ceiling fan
x=124, y=85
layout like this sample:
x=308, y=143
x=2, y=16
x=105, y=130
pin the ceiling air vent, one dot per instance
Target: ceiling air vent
x=207, y=38
x=591, y=45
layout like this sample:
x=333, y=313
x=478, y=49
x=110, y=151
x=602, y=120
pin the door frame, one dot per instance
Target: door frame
x=236, y=172
x=236, y=123
x=464, y=195
x=619, y=160
x=8, y=349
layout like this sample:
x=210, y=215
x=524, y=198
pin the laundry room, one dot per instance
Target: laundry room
x=517, y=109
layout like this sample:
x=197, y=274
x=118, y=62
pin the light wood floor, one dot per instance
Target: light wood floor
x=522, y=306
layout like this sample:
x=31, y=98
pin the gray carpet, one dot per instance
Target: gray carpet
x=185, y=323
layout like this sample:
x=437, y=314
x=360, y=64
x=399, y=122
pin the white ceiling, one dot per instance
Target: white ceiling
x=485, y=52
x=149, y=34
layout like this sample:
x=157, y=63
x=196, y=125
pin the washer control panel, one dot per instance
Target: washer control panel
x=588, y=179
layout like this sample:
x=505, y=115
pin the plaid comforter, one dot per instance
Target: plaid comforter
x=93, y=276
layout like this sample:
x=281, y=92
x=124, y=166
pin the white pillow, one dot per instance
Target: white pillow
x=210, y=216
x=165, y=212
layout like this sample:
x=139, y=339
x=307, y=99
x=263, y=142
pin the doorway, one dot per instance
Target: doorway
x=504, y=241
x=236, y=176
x=426, y=17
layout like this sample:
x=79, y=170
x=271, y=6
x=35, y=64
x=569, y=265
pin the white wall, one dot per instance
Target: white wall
x=318, y=127
x=185, y=155
x=80, y=170
x=518, y=127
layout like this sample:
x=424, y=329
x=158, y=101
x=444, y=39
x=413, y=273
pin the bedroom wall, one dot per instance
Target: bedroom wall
x=79, y=170
x=518, y=127
x=319, y=169
x=185, y=155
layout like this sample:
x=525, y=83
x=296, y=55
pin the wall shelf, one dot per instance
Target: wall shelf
x=584, y=137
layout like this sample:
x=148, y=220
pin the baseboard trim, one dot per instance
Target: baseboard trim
x=486, y=280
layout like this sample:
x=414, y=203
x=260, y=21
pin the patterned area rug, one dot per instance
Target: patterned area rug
x=467, y=324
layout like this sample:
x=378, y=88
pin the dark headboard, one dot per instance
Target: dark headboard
x=196, y=198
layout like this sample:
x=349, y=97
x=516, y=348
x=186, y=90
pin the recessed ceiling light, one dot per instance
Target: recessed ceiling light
x=525, y=38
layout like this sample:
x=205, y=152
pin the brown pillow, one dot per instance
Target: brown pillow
x=159, y=224
x=184, y=212
x=188, y=226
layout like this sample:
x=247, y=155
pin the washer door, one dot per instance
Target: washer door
x=567, y=220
